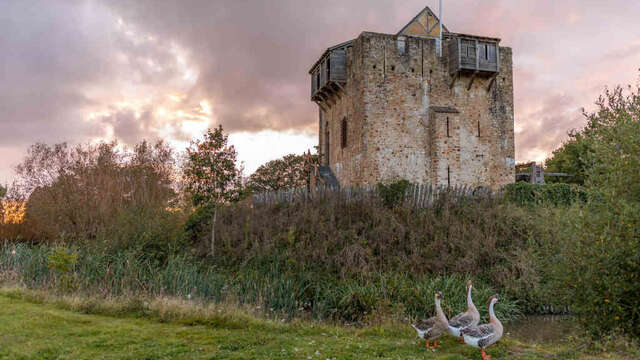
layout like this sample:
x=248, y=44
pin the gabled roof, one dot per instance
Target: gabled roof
x=426, y=23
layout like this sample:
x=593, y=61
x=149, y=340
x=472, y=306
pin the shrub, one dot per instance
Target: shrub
x=598, y=266
x=61, y=262
x=85, y=191
x=392, y=194
x=599, y=244
x=523, y=193
x=360, y=238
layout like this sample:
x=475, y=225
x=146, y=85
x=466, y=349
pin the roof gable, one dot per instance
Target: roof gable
x=426, y=23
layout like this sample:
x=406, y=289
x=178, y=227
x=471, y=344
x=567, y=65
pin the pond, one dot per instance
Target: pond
x=538, y=329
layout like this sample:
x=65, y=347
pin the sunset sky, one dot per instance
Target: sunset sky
x=84, y=70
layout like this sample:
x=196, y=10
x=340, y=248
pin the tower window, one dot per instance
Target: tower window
x=401, y=46
x=478, y=128
x=448, y=135
x=448, y=176
x=343, y=132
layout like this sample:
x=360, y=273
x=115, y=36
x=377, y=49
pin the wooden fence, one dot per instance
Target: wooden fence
x=416, y=195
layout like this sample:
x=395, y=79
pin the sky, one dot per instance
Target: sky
x=81, y=71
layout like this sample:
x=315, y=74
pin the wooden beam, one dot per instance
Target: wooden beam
x=453, y=81
x=491, y=82
x=320, y=105
x=342, y=89
x=473, y=77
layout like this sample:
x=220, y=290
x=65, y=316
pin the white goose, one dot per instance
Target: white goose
x=485, y=335
x=432, y=328
x=471, y=317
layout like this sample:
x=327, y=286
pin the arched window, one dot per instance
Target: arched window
x=343, y=132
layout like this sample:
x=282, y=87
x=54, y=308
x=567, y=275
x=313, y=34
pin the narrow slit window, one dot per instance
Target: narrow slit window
x=343, y=133
x=448, y=135
x=448, y=176
x=478, y=128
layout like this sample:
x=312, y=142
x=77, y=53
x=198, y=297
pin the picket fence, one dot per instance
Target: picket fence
x=416, y=195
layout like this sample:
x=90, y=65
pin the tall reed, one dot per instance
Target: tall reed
x=266, y=285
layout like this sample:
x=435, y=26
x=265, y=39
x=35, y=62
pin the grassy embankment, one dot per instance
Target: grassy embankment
x=39, y=326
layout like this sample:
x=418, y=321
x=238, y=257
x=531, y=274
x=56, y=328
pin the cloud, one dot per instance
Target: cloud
x=82, y=70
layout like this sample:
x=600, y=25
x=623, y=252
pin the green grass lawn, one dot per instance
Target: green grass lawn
x=41, y=330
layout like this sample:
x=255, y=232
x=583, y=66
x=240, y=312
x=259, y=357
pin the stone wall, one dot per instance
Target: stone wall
x=398, y=102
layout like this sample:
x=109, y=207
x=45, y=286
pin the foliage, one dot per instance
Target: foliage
x=270, y=283
x=198, y=223
x=573, y=157
x=89, y=193
x=285, y=173
x=524, y=193
x=61, y=262
x=392, y=194
x=616, y=128
x=598, y=264
x=3, y=191
x=482, y=237
x=210, y=171
x=603, y=256
x=12, y=213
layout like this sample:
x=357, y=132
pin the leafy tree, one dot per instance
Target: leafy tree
x=602, y=254
x=98, y=192
x=211, y=175
x=285, y=173
x=3, y=191
x=573, y=157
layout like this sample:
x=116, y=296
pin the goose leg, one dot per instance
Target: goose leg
x=435, y=343
x=427, y=345
x=485, y=356
x=461, y=340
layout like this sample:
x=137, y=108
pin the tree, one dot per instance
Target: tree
x=602, y=254
x=573, y=157
x=211, y=175
x=285, y=173
x=99, y=191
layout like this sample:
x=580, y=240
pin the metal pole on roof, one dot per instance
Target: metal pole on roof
x=440, y=21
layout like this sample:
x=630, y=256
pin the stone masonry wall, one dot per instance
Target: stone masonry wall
x=397, y=105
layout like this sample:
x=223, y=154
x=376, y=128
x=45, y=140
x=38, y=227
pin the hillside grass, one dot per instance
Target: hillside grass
x=37, y=325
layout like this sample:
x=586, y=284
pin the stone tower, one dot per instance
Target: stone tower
x=391, y=108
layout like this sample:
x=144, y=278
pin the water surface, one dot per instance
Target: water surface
x=539, y=329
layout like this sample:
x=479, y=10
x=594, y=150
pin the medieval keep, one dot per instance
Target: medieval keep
x=391, y=108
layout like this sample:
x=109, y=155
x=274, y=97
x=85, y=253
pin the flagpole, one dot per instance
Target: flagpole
x=440, y=21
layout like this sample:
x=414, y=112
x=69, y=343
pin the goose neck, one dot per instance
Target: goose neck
x=469, y=300
x=439, y=311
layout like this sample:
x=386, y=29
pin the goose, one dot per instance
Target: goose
x=471, y=317
x=432, y=328
x=485, y=335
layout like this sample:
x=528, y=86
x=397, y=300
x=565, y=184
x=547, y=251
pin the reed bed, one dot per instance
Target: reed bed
x=267, y=286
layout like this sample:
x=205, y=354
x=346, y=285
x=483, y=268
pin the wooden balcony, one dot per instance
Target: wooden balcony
x=329, y=73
